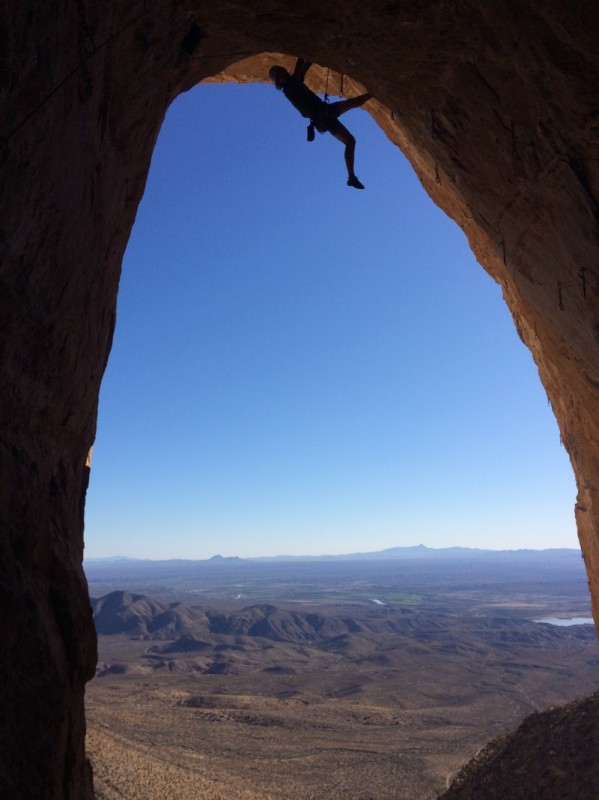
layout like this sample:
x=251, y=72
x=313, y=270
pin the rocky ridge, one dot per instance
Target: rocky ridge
x=551, y=756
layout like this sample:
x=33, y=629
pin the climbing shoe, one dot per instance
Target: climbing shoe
x=355, y=183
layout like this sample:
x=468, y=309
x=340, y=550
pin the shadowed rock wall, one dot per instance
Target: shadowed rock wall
x=496, y=106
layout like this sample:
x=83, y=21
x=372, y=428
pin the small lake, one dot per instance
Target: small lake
x=565, y=622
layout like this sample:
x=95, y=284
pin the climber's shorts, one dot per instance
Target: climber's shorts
x=327, y=120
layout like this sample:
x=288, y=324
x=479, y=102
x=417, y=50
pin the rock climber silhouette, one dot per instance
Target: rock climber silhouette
x=323, y=116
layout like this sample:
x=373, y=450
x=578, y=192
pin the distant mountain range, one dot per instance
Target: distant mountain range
x=416, y=551
x=419, y=551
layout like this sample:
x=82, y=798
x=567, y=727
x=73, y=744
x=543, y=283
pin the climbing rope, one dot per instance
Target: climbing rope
x=95, y=49
x=8, y=136
x=326, y=87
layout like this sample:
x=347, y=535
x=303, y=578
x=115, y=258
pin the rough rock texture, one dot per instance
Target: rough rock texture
x=551, y=756
x=496, y=106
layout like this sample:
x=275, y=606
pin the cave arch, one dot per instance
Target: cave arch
x=497, y=101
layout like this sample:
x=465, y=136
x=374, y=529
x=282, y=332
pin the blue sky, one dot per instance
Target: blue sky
x=300, y=367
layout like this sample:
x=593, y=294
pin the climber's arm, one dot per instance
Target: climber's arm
x=301, y=68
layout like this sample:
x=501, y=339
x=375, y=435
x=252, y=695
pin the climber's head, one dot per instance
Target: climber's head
x=278, y=75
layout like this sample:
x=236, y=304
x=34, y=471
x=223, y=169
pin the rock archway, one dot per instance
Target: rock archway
x=496, y=106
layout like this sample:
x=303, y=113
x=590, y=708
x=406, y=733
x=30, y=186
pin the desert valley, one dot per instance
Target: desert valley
x=362, y=678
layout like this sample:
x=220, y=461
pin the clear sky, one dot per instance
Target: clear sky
x=303, y=368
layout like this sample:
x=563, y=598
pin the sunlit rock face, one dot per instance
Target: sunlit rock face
x=495, y=105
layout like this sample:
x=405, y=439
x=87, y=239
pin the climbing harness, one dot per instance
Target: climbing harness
x=310, y=129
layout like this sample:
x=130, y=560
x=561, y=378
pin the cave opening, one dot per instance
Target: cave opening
x=295, y=361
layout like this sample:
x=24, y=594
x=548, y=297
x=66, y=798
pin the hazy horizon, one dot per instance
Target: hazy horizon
x=362, y=552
